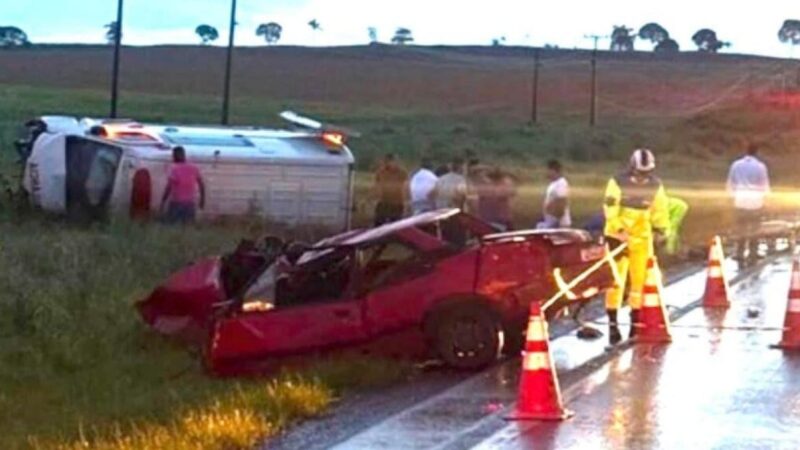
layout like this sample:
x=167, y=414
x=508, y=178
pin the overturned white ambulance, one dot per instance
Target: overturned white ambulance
x=94, y=169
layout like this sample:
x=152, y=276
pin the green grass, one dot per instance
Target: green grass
x=77, y=367
x=74, y=358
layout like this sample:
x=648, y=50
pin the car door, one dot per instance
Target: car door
x=316, y=321
x=396, y=292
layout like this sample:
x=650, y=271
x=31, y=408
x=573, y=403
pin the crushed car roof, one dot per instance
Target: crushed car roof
x=364, y=236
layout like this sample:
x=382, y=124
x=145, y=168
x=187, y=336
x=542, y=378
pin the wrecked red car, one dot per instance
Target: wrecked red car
x=443, y=281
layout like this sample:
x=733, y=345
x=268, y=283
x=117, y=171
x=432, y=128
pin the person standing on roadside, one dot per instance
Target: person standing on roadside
x=555, y=210
x=748, y=186
x=494, y=199
x=390, y=188
x=451, y=188
x=183, y=185
x=475, y=178
x=421, y=188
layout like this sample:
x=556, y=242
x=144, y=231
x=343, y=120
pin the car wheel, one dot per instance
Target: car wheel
x=468, y=337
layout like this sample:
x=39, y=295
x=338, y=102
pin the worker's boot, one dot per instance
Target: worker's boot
x=614, y=336
x=634, y=323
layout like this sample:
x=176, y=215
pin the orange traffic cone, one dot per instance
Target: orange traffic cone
x=791, y=324
x=539, y=394
x=653, y=321
x=716, y=293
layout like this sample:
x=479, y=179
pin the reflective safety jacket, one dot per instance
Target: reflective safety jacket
x=634, y=207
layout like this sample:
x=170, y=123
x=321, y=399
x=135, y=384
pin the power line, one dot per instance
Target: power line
x=115, y=69
x=228, y=62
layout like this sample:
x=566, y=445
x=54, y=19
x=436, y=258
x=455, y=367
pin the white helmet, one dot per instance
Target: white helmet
x=642, y=160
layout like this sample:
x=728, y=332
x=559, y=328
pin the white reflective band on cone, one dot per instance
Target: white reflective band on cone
x=536, y=331
x=536, y=361
x=716, y=251
x=715, y=272
x=651, y=300
x=795, y=281
x=794, y=306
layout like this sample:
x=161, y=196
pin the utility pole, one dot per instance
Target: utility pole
x=593, y=103
x=535, y=94
x=227, y=90
x=115, y=70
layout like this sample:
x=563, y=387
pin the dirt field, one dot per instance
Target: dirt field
x=448, y=79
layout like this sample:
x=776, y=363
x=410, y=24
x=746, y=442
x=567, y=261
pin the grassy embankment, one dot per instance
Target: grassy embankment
x=75, y=363
x=77, y=367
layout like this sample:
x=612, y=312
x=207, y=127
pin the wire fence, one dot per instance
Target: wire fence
x=496, y=81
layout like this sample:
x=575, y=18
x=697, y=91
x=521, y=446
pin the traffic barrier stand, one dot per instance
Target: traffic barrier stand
x=653, y=326
x=717, y=288
x=539, y=393
x=791, y=323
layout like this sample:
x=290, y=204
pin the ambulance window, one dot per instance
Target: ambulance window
x=101, y=174
x=91, y=172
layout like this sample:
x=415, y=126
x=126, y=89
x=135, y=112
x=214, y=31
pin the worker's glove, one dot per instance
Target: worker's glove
x=614, y=242
x=659, y=236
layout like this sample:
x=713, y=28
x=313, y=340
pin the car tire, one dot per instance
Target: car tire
x=468, y=336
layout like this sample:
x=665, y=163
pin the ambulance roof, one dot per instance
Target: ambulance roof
x=245, y=144
x=213, y=143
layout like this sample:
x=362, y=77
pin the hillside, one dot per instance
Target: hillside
x=452, y=79
x=433, y=100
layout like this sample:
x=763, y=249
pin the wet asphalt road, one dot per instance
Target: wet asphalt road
x=360, y=411
x=717, y=386
x=714, y=387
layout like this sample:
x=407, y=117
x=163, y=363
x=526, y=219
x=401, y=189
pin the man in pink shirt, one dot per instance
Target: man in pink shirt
x=183, y=183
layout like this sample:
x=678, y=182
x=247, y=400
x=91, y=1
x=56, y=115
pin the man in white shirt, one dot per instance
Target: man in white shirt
x=421, y=187
x=748, y=186
x=451, y=188
x=555, y=210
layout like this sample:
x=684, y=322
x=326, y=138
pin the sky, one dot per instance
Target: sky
x=751, y=26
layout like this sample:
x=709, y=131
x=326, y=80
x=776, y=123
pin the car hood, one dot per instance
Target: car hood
x=182, y=306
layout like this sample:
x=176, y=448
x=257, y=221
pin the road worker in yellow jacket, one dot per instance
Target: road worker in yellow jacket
x=636, y=212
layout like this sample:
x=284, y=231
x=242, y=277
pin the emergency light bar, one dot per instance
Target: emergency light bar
x=319, y=127
x=127, y=131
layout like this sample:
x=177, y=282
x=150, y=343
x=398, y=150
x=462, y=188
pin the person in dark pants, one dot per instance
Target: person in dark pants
x=183, y=185
x=390, y=188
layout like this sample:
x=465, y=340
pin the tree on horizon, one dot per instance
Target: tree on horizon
x=668, y=45
x=654, y=33
x=402, y=36
x=707, y=41
x=373, y=35
x=12, y=36
x=112, y=28
x=207, y=33
x=270, y=31
x=622, y=39
x=790, y=33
